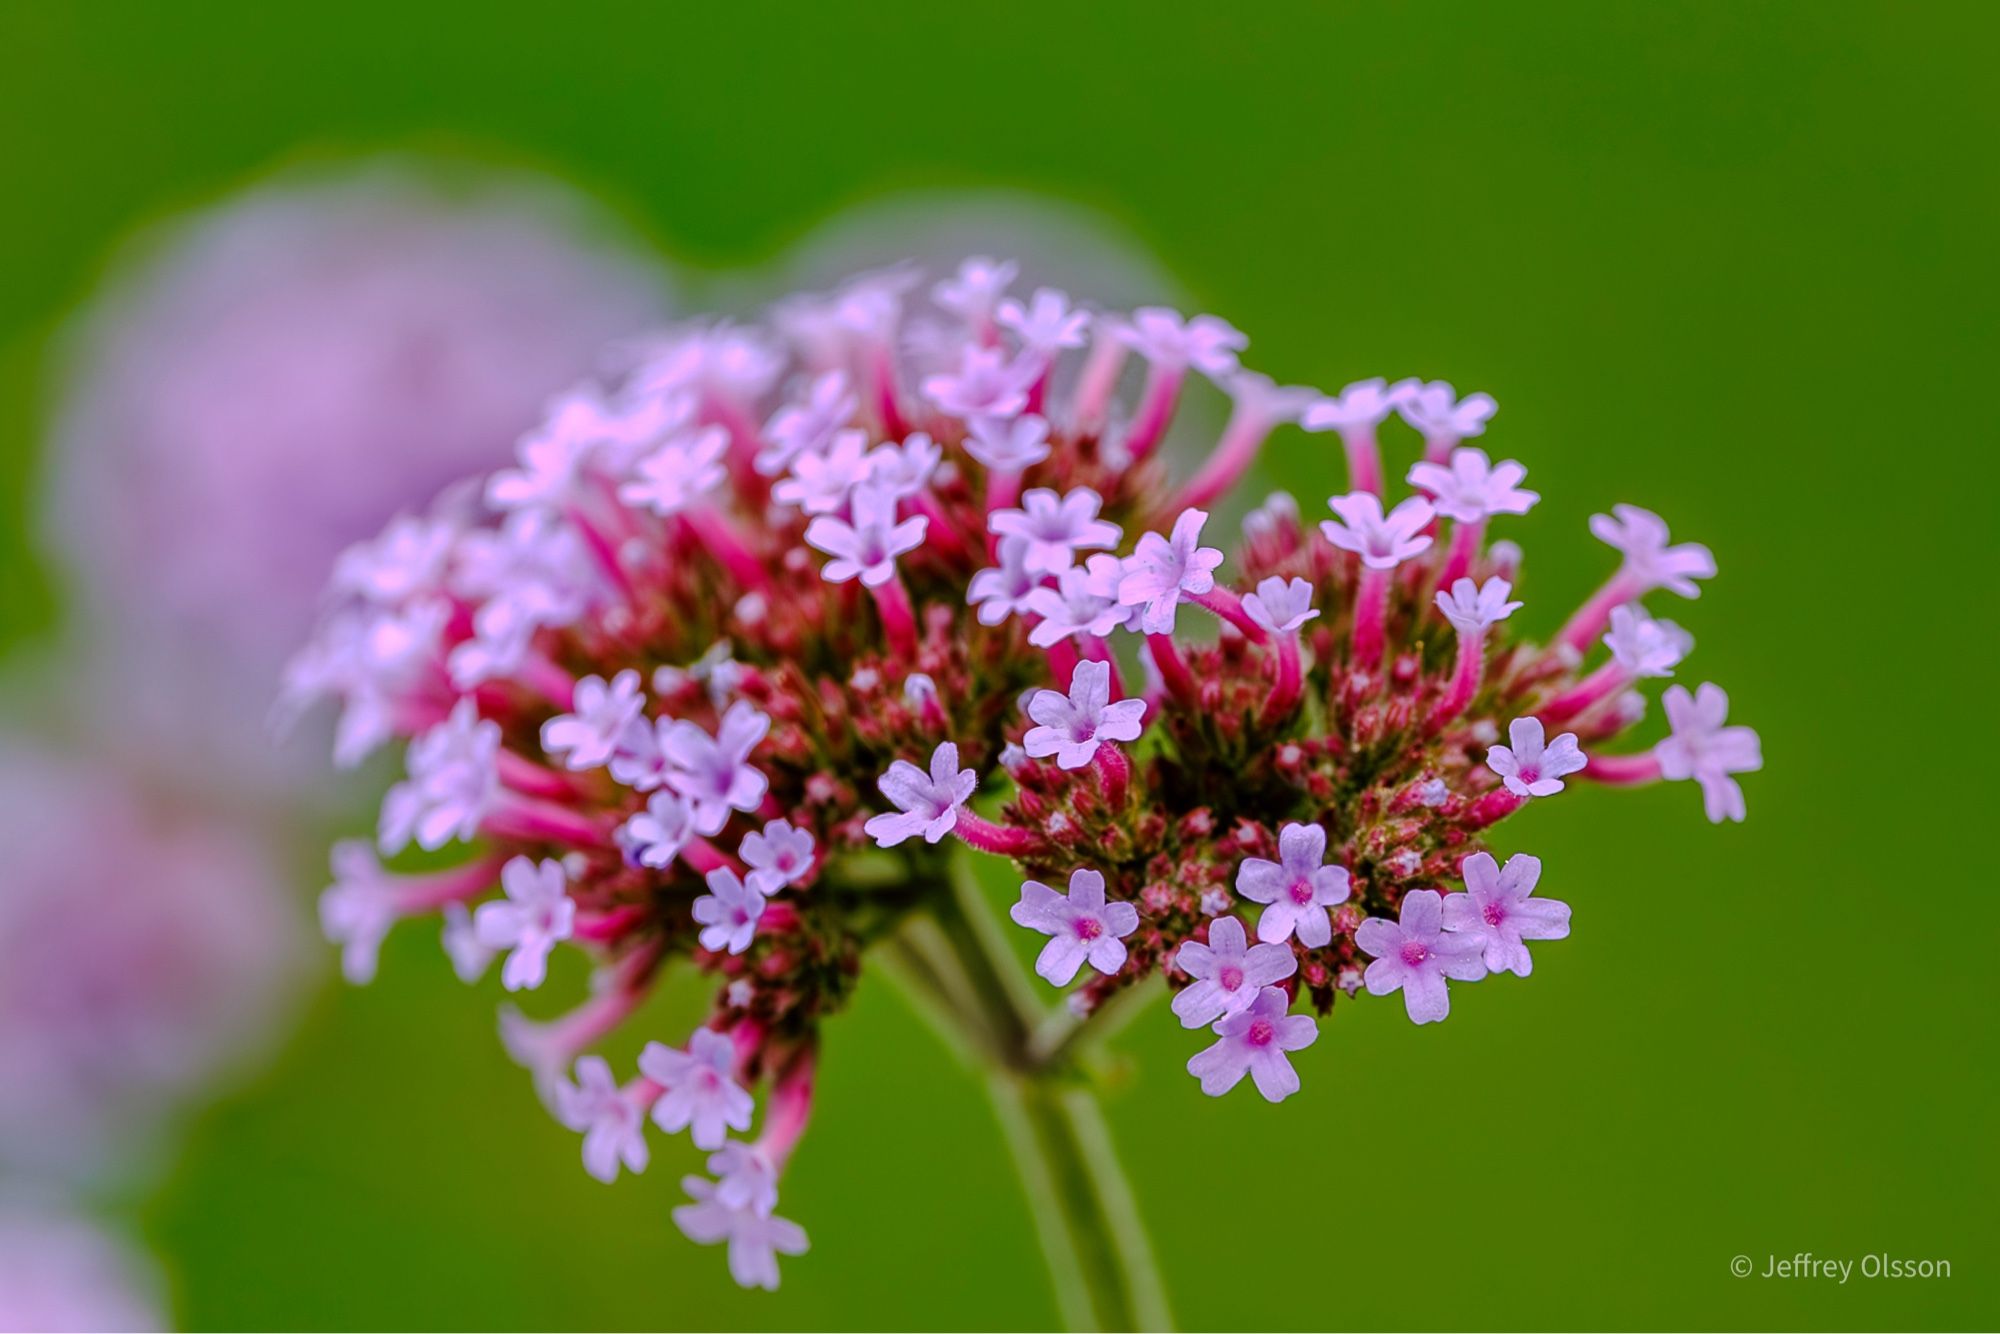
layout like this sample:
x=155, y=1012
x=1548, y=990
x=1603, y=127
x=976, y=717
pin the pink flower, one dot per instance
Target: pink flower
x=755, y=1240
x=1361, y=405
x=729, y=912
x=535, y=915
x=1644, y=647
x=904, y=470
x=1528, y=767
x=822, y=480
x=612, y=1125
x=929, y=802
x=1055, y=528
x=357, y=910
x=866, y=547
x=808, y=426
x=1081, y=926
x=1642, y=536
x=1383, y=543
x=1280, y=606
x=1046, y=325
x=745, y=1178
x=714, y=774
x=701, y=1090
x=586, y=737
x=1299, y=887
x=1009, y=445
x=1006, y=589
x=780, y=855
x=1162, y=337
x=1472, y=487
x=976, y=289
x=1415, y=956
x=1496, y=909
x=1084, y=603
x=1436, y=410
x=656, y=835
x=453, y=782
x=1164, y=570
x=1073, y=726
x=678, y=473
x=1703, y=749
x=1472, y=608
x=987, y=384
x=1228, y=976
x=1255, y=1041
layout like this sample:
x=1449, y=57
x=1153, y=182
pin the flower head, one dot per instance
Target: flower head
x=1472, y=608
x=1414, y=955
x=1255, y=1041
x=1472, y=488
x=535, y=914
x=1229, y=973
x=1081, y=926
x=1530, y=768
x=1641, y=536
x=1703, y=749
x=1071, y=727
x=1166, y=569
x=929, y=802
x=1496, y=909
x=1382, y=542
x=1298, y=888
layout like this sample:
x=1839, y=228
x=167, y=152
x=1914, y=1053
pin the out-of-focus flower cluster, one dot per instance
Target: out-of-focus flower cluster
x=770, y=610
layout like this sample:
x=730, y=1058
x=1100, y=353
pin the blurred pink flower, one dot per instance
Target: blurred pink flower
x=143, y=950
x=59, y=1272
x=263, y=383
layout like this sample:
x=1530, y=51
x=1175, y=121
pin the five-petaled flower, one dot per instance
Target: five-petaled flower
x=778, y=855
x=1280, y=606
x=1071, y=727
x=729, y=912
x=1415, y=955
x=701, y=1092
x=867, y=545
x=1081, y=926
x=1702, y=748
x=612, y=1124
x=1474, y=607
x=585, y=737
x=1528, y=766
x=756, y=1240
x=1254, y=1041
x=928, y=803
x=1229, y=973
x=1299, y=889
x=1497, y=909
x=1472, y=488
x=1164, y=570
x=536, y=913
x=1382, y=541
x=1641, y=536
x=1053, y=528
x=714, y=774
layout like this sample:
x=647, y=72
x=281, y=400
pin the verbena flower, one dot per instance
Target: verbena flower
x=741, y=727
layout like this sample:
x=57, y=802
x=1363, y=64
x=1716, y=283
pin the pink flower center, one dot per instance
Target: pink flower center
x=1260, y=1033
x=1494, y=914
x=1230, y=978
x=1530, y=773
x=1089, y=928
x=1414, y=952
x=1302, y=892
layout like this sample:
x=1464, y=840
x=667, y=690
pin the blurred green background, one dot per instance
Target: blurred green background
x=1733, y=262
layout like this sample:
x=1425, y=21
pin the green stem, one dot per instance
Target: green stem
x=958, y=968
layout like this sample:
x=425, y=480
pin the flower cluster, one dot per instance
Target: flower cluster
x=717, y=668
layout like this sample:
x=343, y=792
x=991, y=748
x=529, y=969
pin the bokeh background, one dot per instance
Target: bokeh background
x=1733, y=262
